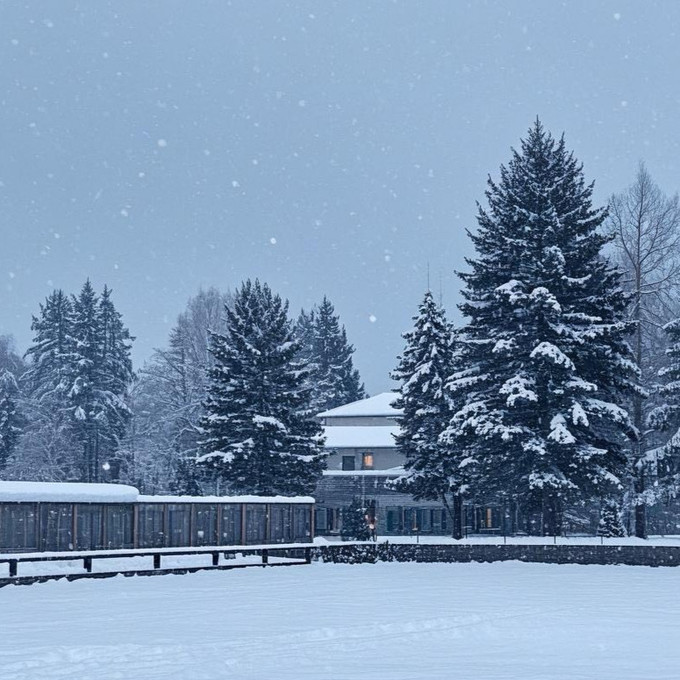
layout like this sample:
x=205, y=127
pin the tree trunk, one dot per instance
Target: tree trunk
x=639, y=447
x=640, y=507
x=456, y=513
x=552, y=514
x=459, y=517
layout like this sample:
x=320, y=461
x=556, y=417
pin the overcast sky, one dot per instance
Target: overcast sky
x=326, y=147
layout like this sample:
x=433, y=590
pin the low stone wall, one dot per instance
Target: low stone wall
x=361, y=553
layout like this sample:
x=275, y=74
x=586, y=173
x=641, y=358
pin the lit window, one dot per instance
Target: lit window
x=367, y=461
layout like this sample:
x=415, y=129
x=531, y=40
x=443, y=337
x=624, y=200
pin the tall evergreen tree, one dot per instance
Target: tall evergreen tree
x=432, y=468
x=304, y=330
x=48, y=450
x=545, y=344
x=116, y=376
x=77, y=383
x=85, y=398
x=51, y=356
x=260, y=436
x=11, y=411
x=11, y=421
x=334, y=380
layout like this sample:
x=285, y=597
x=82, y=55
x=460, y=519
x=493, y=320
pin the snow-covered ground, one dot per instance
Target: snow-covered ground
x=339, y=622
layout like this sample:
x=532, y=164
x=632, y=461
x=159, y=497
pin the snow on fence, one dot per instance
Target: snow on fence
x=66, y=492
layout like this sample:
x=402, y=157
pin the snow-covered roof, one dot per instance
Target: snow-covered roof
x=356, y=437
x=379, y=405
x=73, y=492
x=67, y=492
x=226, y=499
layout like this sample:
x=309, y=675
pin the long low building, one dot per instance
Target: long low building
x=44, y=516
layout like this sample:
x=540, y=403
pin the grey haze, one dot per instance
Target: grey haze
x=326, y=147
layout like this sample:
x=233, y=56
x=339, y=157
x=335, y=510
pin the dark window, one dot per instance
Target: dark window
x=439, y=520
x=425, y=520
x=348, y=463
x=394, y=520
x=302, y=518
x=321, y=521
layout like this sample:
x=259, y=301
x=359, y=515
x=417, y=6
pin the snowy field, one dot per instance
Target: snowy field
x=386, y=621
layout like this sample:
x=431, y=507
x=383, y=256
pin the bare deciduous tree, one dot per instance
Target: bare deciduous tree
x=168, y=398
x=647, y=226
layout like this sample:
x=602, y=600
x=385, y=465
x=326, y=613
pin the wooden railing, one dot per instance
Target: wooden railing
x=292, y=554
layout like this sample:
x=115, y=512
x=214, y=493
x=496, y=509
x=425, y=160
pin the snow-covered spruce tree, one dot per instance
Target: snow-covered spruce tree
x=304, y=330
x=116, y=375
x=11, y=418
x=354, y=523
x=548, y=365
x=51, y=354
x=259, y=433
x=11, y=421
x=98, y=373
x=432, y=469
x=610, y=525
x=333, y=379
x=666, y=418
x=47, y=450
x=85, y=401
